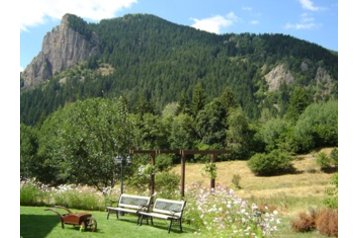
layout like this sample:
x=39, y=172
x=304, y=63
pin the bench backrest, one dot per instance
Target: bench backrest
x=169, y=207
x=133, y=201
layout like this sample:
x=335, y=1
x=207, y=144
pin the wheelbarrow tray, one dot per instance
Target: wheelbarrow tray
x=75, y=218
x=84, y=220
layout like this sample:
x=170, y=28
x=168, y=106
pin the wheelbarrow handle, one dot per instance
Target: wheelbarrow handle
x=64, y=208
x=59, y=215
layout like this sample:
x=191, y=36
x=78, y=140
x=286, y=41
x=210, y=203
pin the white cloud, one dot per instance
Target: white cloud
x=308, y=5
x=306, y=22
x=254, y=22
x=301, y=26
x=36, y=12
x=305, y=17
x=214, y=24
x=247, y=9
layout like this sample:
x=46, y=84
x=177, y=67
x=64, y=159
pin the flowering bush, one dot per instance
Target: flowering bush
x=223, y=214
x=34, y=193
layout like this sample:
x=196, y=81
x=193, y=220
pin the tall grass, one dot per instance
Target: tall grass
x=32, y=195
x=80, y=200
x=35, y=194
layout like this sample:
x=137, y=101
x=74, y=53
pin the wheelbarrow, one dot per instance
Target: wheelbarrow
x=84, y=220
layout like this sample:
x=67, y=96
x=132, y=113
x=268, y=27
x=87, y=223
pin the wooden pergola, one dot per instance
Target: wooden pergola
x=183, y=153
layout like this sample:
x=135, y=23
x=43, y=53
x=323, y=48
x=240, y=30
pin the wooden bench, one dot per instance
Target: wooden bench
x=131, y=204
x=171, y=210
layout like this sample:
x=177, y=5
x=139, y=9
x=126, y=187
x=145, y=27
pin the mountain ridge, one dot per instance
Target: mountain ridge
x=155, y=60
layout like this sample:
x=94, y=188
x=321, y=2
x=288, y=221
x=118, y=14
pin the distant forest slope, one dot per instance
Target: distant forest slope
x=153, y=62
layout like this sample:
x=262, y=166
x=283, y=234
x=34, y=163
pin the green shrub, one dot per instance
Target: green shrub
x=167, y=184
x=140, y=178
x=323, y=161
x=236, y=181
x=164, y=162
x=334, y=157
x=328, y=163
x=317, y=126
x=273, y=163
x=31, y=195
x=274, y=133
x=239, y=135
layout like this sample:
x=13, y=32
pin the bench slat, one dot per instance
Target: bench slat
x=130, y=204
x=158, y=215
x=119, y=209
x=166, y=209
x=169, y=207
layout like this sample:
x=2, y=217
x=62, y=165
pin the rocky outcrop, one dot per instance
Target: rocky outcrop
x=322, y=76
x=62, y=48
x=277, y=76
x=325, y=85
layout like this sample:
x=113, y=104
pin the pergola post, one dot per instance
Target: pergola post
x=212, y=180
x=152, y=176
x=182, y=182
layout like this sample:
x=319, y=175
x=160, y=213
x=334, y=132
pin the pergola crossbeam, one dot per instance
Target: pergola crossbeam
x=183, y=153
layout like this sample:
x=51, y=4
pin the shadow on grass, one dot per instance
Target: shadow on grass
x=160, y=224
x=287, y=171
x=164, y=226
x=37, y=226
x=121, y=219
x=330, y=170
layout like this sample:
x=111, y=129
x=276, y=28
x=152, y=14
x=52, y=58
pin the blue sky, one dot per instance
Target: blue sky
x=312, y=20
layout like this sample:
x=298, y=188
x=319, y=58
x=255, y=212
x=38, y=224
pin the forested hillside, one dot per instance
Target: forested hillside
x=152, y=62
x=158, y=85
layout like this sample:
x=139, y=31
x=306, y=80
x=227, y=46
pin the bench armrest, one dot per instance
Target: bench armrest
x=110, y=203
x=174, y=214
x=142, y=209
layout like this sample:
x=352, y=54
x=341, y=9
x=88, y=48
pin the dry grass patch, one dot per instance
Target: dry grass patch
x=306, y=186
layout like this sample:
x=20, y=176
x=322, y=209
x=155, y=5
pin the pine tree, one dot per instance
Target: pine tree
x=228, y=98
x=198, y=100
x=184, y=104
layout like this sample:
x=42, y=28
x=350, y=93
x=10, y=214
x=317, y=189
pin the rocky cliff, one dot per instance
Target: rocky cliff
x=277, y=76
x=62, y=48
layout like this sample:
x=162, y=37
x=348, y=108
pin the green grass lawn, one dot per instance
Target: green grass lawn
x=35, y=222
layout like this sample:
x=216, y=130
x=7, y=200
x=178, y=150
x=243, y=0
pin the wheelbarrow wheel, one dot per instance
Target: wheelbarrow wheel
x=83, y=226
x=92, y=224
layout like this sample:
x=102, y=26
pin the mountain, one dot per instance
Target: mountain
x=62, y=48
x=148, y=59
